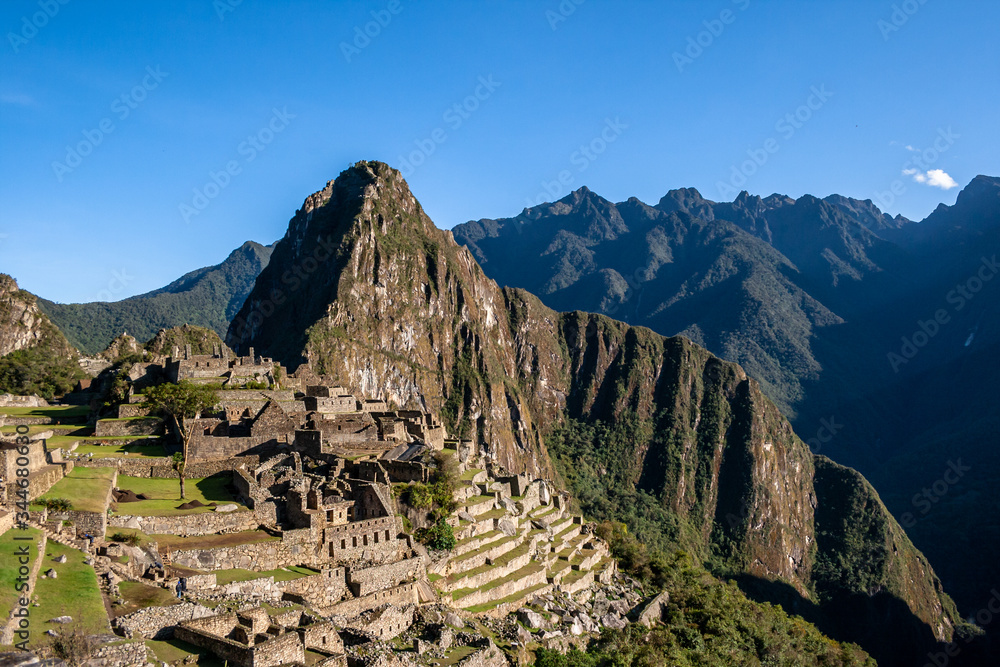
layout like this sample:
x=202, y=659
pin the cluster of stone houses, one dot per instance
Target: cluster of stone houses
x=316, y=469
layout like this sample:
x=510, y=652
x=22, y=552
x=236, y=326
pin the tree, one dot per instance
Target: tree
x=181, y=402
x=178, y=464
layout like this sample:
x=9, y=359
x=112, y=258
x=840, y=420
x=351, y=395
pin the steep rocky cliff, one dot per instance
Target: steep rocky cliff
x=34, y=356
x=368, y=291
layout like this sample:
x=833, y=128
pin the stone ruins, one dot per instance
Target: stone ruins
x=320, y=527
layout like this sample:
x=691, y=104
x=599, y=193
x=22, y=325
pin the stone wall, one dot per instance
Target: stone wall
x=385, y=622
x=371, y=540
x=158, y=622
x=205, y=523
x=6, y=521
x=364, y=581
x=325, y=588
x=163, y=467
x=290, y=550
x=132, y=410
x=89, y=523
x=134, y=426
x=15, y=401
x=282, y=649
x=400, y=595
x=212, y=448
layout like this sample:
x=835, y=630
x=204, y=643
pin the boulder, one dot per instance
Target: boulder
x=51, y=574
x=653, y=612
x=507, y=527
x=228, y=507
x=465, y=516
x=454, y=620
x=613, y=621
x=60, y=559
x=61, y=619
x=531, y=619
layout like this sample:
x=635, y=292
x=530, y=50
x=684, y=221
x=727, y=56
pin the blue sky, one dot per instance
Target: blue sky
x=143, y=140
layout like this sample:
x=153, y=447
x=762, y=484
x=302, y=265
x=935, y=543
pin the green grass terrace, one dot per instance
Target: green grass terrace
x=74, y=593
x=85, y=488
x=58, y=413
x=164, y=494
x=122, y=450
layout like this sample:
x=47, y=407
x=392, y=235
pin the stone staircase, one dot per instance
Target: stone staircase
x=64, y=540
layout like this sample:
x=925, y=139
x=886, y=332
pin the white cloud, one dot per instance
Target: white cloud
x=936, y=178
x=910, y=148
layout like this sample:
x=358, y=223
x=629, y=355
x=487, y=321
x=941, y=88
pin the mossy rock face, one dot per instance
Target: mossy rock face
x=35, y=357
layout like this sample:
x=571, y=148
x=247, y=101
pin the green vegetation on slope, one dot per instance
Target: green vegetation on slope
x=208, y=297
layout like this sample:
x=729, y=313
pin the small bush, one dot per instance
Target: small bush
x=440, y=536
x=131, y=539
x=57, y=504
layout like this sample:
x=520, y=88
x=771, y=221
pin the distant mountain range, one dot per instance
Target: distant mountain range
x=880, y=336
x=207, y=297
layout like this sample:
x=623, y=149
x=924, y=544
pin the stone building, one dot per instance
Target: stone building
x=253, y=638
x=219, y=367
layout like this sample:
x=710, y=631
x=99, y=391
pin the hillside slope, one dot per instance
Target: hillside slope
x=207, y=297
x=388, y=305
x=35, y=357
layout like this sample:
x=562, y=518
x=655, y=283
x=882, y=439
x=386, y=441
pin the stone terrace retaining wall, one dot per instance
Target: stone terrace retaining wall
x=158, y=622
x=257, y=556
x=163, y=467
x=136, y=426
x=371, y=579
x=399, y=595
x=206, y=523
x=325, y=588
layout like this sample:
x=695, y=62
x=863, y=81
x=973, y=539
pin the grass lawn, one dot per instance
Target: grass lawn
x=138, y=596
x=74, y=593
x=165, y=495
x=174, y=650
x=86, y=488
x=61, y=429
x=9, y=565
x=65, y=441
x=212, y=541
x=281, y=574
x=55, y=412
x=123, y=450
